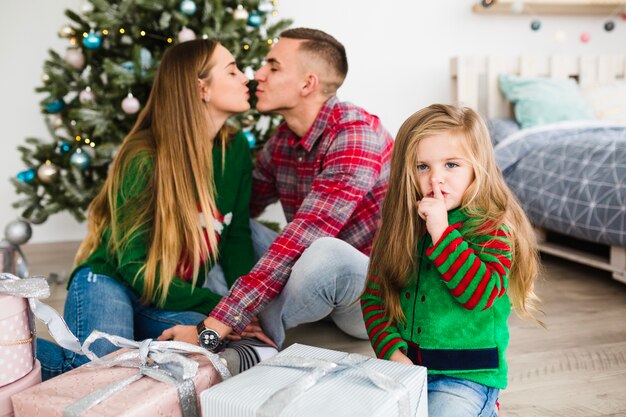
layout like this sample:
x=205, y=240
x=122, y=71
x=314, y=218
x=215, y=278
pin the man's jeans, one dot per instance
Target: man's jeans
x=99, y=302
x=327, y=280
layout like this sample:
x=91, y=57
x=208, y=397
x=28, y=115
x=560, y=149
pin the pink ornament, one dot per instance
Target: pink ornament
x=585, y=37
x=186, y=34
x=75, y=58
x=130, y=104
x=86, y=96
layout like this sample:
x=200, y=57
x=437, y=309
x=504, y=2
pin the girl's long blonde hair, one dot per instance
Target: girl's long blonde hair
x=172, y=131
x=488, y=201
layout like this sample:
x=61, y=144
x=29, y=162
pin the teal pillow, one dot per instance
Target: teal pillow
x=540, y=101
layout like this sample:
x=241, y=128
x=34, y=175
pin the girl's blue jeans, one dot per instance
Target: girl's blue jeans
x=453, y=397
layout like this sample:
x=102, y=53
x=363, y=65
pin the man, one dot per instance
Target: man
x=328, y=164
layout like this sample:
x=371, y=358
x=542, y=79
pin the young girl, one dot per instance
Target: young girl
x=453, y=252
x=175, y=203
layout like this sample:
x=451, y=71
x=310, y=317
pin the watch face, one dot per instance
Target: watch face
x=209, y=339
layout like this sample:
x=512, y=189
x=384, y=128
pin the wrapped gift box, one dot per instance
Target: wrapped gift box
x=32, y=378
x=16, y=348
x=144, y=397
x=309, y=381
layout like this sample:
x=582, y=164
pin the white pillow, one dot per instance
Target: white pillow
x=608, y=100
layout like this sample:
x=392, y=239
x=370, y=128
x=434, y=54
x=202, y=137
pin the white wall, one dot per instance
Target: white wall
x=398, y=53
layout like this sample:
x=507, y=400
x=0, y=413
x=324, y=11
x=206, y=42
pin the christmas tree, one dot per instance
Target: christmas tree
x=95, y=89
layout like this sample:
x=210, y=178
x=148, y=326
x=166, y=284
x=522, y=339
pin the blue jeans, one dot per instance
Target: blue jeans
x=99, y=302
x=327, y=280
x=453, y=397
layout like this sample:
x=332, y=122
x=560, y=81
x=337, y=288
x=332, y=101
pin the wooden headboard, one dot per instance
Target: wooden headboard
x=475, y=79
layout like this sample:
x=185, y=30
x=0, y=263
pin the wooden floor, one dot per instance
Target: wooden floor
x=575, y=368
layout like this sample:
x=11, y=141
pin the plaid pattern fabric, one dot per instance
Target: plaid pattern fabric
x=331, y=182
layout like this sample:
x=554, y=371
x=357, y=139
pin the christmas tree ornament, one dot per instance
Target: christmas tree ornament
x=250, y=138
x=186, y=34
x=130, y=105
x=55, y=106
x=254, y=20
x=188, y=7
x=26, y=176
x=240, y=13
x=56, y=121
x=535, y=25
x=87, y=7
x=38, y=215
x=265, y=7
x=86, y=96
x=18, y=232
x=47, y=172
x=128, y=66
x=75, y=58
x=92, y=40
x=126, y=40
x=517, y=7
x=585, y=37
x=145, y=57
x=66, y=32
x=80, y=159
x=609, y=26
x=63, y=147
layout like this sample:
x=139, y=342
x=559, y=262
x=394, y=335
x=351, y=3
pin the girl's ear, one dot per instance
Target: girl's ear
x=204, y=90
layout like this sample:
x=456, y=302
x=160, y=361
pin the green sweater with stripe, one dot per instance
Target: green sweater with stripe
x=233, y=188
x=456, y=301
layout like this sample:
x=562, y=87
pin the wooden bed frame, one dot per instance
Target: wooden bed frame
x=475, y=84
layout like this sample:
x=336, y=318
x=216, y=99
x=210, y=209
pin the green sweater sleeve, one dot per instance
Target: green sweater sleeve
x=236, y=252
x=131, y=258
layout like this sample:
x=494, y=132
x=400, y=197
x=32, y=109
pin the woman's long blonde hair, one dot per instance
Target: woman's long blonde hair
x=488, y=201
x=172, y=132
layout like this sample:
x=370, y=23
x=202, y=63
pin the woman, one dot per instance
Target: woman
x=175, y=204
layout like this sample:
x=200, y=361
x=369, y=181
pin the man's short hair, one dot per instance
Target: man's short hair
x=323, y=46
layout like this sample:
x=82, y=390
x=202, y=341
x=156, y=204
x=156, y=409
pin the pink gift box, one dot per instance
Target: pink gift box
x=145, y=397
x=32, y=378
x=16, y=348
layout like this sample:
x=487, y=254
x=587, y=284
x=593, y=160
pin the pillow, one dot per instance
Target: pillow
x=540, y=101
x=501, y=128
x=608, y=100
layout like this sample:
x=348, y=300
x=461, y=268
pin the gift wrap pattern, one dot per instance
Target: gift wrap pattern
x=27, y=381
x=309, y=381
x=16, y=349
x=145, y=397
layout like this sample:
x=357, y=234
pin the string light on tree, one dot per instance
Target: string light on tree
x=130, y=105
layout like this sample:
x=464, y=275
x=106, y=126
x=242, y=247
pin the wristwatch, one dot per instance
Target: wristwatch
x=208, y=338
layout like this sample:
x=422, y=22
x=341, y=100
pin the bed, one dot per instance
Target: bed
x=569, y=175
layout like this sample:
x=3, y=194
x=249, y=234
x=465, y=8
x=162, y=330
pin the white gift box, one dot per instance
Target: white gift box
x=309, y=381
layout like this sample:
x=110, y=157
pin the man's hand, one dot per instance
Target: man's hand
x=433, y=211
x=253, y=329
x=181, y=333
x=398, y=356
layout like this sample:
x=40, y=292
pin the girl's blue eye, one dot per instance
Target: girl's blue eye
x=451, y=164
x=422, y=167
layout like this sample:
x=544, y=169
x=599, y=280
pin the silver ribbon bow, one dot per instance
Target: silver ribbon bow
x=321, y=368
x=33, y=288
x=162, y=361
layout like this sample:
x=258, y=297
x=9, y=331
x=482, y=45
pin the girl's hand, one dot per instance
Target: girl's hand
x=433, y=211
x=398, y=356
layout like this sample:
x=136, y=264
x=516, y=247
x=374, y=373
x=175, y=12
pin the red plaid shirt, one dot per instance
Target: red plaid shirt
x=331, y=182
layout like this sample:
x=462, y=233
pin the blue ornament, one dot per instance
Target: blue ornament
x=254, y=19
x=188, y=7
x=146, y=59
x=128, y=66
x=63, y=147
x=92, y=40
x=27, y=176
x=55, y=106
x=80, y=159
x=250, y=138
x=535, y=25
